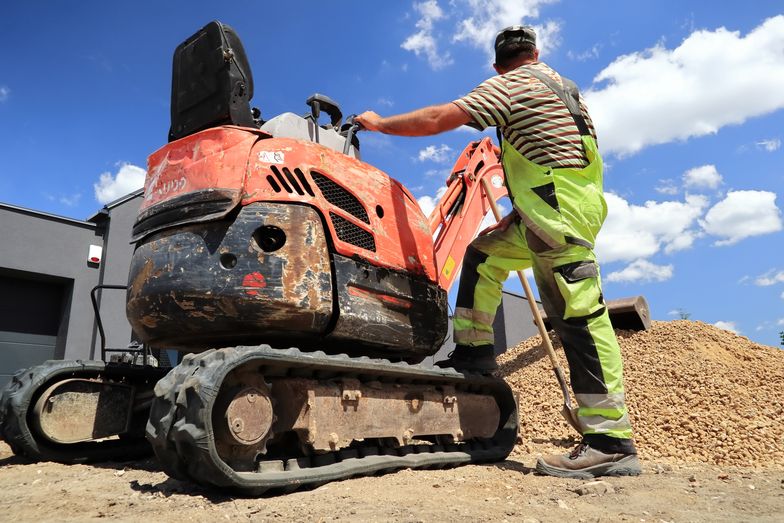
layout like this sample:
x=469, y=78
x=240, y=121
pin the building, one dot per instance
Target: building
x=46, y=276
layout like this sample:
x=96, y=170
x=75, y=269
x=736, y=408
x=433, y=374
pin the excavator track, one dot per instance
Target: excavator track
x=78, y=411
x=184, y=425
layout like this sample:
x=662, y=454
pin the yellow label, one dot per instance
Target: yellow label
x=449, y=266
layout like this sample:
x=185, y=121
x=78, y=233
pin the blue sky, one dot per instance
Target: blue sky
x=687, y=97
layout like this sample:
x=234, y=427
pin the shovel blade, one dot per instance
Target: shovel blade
x=570, y=415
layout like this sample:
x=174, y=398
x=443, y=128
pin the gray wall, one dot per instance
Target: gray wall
x=43, y=259
x=38, y=246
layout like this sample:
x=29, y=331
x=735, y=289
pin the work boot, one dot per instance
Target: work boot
x=471, y=359
x=585, y=462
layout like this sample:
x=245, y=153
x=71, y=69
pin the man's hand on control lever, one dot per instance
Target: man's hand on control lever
x=369, y=121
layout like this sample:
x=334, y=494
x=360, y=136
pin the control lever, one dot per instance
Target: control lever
x=317, y=102
x=350, y=128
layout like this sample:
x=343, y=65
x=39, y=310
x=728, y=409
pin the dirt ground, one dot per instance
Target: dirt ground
x=508, y=491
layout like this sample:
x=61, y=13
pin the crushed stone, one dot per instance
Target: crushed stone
x=695, y=394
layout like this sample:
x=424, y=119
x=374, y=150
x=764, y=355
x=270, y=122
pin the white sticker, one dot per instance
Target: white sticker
x=497, y=181
x=272, y=157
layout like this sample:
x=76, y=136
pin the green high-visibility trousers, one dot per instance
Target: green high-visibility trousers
x=560, y=212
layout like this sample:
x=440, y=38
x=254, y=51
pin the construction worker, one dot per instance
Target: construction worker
x=554, y=177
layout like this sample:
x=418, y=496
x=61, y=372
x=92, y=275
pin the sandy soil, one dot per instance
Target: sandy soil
x=508, y=491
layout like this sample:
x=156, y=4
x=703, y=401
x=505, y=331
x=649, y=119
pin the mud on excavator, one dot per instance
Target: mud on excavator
x=255, y=237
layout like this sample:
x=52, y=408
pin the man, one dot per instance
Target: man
x=554, y=176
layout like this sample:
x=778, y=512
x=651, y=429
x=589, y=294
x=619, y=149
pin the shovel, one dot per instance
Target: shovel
x=567, y=411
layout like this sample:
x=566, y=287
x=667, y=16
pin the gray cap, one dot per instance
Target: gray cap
x=515, y=34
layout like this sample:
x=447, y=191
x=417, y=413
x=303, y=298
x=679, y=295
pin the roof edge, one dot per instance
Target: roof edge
x=49, y=216
x=101, y=214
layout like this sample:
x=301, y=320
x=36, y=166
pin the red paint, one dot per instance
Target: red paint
x=402, y=233
x=254, y=280
x=385, y=298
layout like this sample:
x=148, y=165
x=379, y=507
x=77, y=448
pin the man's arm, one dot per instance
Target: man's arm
x=422, y=122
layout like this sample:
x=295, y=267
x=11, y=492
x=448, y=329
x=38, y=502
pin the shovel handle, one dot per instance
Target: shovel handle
x=529, y=295
x=568, y=412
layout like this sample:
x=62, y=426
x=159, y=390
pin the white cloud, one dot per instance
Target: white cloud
x=667, y=186
x=385, y=102
x=428, y=203
x=110, y=187
x=5, y=92
x=438, y=173
x=742, y=214
x=436, y=153
x=705, y=176
x=486, y=17
x=782, y=295
x=728, y=326
x=423, y=42
x=479, y=21
x=641, y=271
x=712, y=79
x=588, y=54
x=70, y=200
x=769, y=278
x=770, y=145
x=633, y=231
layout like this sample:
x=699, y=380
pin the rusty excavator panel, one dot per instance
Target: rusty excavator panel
x=332, y=415
x=77, y=410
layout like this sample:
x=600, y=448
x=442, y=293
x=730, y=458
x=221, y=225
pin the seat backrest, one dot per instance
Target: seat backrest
x=211, y=82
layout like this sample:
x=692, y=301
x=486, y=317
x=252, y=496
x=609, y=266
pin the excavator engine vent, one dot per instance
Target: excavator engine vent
x=286, y=181
x=340, y=197
x=350, y=233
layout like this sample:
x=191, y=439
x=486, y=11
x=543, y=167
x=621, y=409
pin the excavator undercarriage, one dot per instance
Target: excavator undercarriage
x=257, y=418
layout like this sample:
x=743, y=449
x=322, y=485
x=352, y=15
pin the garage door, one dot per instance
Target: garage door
x=30, y=315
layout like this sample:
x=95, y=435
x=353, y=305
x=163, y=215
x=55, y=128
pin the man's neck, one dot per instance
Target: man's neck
x=513, y=66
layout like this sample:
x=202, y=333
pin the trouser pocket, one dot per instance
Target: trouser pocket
x=579, y=286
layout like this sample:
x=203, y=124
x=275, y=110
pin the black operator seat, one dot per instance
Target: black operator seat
x=212, y=82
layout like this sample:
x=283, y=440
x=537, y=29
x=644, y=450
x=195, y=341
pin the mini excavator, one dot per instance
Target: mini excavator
x=303, y=288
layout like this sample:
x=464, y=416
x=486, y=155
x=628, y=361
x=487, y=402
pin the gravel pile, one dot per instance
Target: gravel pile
x=695, y=393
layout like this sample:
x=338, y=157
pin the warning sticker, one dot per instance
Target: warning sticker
x=449, y=266
x=272, y=157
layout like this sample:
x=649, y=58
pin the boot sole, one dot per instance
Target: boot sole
x=628, y=466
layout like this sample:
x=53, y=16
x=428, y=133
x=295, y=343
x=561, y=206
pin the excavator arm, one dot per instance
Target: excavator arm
x=457, y=217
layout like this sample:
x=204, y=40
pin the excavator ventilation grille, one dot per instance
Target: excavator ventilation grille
x=339, y=197
x=286, y=181
x=353, y=234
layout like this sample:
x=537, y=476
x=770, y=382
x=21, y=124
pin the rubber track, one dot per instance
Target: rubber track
x=20, y=394
x=180, y=425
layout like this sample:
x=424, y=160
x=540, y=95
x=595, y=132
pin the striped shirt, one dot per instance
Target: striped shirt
x=530, y=115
